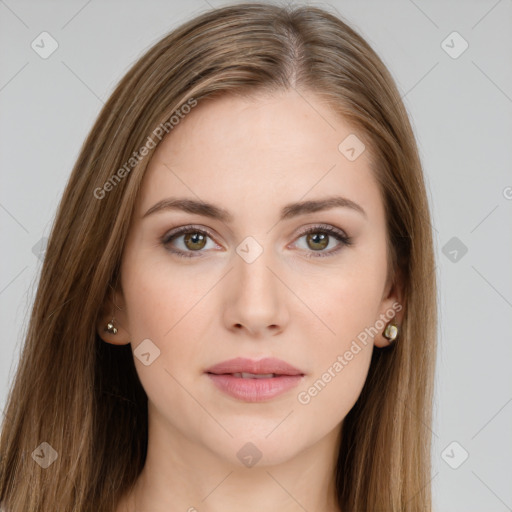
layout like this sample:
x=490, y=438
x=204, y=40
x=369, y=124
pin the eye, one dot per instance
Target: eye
x=319, y=237
x=194, y=241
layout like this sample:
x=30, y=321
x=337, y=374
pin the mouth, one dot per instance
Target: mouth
x=254, y=381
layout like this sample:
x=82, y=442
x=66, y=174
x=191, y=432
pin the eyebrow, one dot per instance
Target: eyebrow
x=288, y=211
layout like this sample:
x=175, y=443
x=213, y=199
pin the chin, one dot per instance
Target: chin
x=258, y=449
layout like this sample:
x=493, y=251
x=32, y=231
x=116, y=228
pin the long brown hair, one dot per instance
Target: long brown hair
x=83, y=397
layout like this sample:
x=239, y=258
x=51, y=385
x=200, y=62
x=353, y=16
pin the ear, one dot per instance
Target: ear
x=392, y=309
x=113, y=308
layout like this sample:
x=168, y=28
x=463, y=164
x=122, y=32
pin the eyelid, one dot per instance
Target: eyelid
x=188, y=227
x=182, y=230
x=323, y=227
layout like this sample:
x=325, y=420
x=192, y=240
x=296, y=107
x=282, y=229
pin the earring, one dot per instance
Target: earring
x=111, y=329
x=391, y=332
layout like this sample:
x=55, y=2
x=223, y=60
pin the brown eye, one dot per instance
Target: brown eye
x=317, y=241
x=194, y=241
x=318, y=238
x=187, y=241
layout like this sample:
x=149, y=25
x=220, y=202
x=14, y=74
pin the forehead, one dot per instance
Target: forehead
x=258, y=153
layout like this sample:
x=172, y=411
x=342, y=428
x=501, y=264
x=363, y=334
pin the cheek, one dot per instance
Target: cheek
x=348, y=306
x=168, y=305
x=171, y=308
x=160, y=294
x=347, y=299
x=340, y=361
x=328, y=396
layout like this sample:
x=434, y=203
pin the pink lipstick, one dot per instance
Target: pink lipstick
x=254, y=381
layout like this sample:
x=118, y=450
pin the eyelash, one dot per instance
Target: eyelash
x=325, y=229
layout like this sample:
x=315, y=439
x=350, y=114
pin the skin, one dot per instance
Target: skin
x=251, y=157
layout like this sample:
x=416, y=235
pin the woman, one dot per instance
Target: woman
x=237, y=308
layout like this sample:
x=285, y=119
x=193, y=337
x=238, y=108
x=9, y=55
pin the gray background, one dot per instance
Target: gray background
x=461, y=112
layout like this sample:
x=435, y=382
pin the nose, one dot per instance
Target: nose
x=256, y=300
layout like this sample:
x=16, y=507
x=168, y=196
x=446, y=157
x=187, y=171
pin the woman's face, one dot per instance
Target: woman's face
x=253, y=284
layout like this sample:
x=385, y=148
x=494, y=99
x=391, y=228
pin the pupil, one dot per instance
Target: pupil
x=195, y=238
x=318, y=238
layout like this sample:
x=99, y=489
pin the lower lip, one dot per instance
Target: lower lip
x=254, y=390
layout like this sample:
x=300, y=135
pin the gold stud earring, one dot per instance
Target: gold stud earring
x=111, y=329
x=391, y=332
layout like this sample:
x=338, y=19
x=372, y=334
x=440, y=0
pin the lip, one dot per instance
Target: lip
x=260, y=366
x=254, y=389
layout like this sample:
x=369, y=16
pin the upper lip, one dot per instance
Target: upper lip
x=260, y=366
